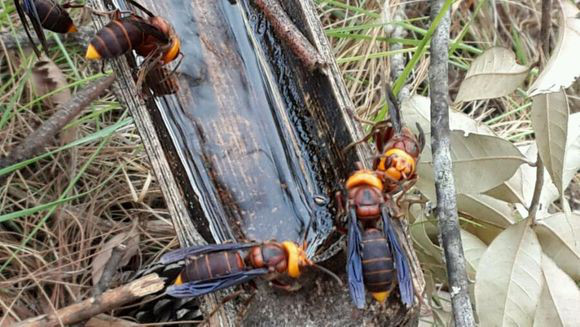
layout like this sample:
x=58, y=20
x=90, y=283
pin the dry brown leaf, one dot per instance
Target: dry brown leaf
x=480, y=163
x=509, y=278
x=493, y=74
x=130, y=239
x=473, y=248
x=46, y=78
x=560, y=298
x=485, y=208
x=550, y=114
x=559, y=235
x=562, y=68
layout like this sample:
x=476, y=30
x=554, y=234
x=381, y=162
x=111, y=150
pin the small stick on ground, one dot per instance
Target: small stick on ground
x=444, y=182
x=11, y=41
x=63, y=115
x=93, y=306
x=290, y=34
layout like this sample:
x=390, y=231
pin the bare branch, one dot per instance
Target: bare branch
x=11, y=41
x=93, y=306
x=546, y=24
x=442, y=164
x=63, y=115
x=290, y=34
x=537, y=190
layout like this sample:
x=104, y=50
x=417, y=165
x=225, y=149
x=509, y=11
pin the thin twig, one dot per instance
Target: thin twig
x=397, y=61
x=290, y=34
x=63, y=115
x=96, y=305
x=444, y=182
x=537, y=190
x=545, y=41
x=546, y=24
x=11, y=41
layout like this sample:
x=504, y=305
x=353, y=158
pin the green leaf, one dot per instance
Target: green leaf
x=509, y=278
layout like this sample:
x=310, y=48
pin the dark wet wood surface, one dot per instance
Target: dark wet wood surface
x=249, y=142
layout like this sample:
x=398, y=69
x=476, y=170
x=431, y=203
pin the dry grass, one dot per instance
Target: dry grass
x=105, y=186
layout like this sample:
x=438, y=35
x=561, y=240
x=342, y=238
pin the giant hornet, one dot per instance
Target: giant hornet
x=209, y=268
x=375, y=252
x=153, y=38
x=46, y=14
x=398, y=149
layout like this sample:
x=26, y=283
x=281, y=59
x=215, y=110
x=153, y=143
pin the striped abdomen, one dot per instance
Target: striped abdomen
x=116, y=38
x=211, y=265
x=52, y=16
x=378, y=269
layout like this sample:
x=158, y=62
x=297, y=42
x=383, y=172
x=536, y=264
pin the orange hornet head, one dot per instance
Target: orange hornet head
x=296, y=258
x=401, y=155
x=174, y=47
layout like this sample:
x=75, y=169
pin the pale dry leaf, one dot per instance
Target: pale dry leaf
x=421, y=237
x=486, y=233
x=509, y=278
x=550, y=120
x=473, y=248
x=485, y=208
x=46, y=78
x=562, y=67
x=493, y=74
x=131, y=241
x=416, y=110
x=509, y=191
x=480, y=163
x=559, y=235
x=572, y=160
x=560, y=299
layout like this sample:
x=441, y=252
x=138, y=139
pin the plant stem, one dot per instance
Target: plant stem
x=444, y=182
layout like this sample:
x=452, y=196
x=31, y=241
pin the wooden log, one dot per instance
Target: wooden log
x=249, y=142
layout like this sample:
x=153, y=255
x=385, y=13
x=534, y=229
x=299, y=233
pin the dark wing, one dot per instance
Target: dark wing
x=354, y=262
x=25, y=25
x=181, y=254
x=404, y=277
x=140, y=6
x=36, y=22
x=198, y=288
x=149, y=29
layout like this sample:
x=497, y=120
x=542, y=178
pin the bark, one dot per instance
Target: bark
x=444, y=182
